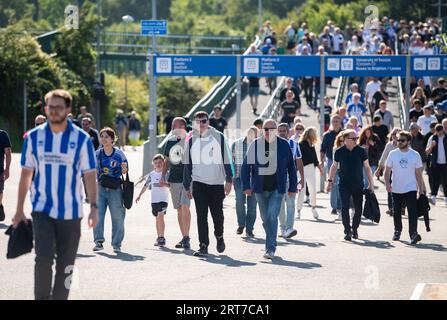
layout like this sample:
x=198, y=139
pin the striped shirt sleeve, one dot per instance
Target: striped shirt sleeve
x=87, y=157
x=27, y=159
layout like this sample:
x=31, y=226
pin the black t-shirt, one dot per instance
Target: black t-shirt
x=270, y=181
x=218, y=124
x=351, y=166
x=175, y=149
x=327, y=114
x=382, y=131
x=253, y=81
x=289, y=107
x=439, y=91
x=414, y=114
x=4, y=143
x=377, y=97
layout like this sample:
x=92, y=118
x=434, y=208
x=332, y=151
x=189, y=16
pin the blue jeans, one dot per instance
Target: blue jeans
x=365, y=176
x=286, y=221
x=269, y=205
x=335, y=193
x=246, y=215
x=114, y=200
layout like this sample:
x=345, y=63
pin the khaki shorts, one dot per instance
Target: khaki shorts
x=179, y=195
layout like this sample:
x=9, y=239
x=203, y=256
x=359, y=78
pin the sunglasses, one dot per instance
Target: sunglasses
x=268, y=129
x=353, y=138
x=402, y=140
x=201, y=121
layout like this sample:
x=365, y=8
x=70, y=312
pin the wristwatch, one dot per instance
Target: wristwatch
x=93, y=206
x=329, y=180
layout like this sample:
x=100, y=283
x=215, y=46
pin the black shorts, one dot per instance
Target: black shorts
x=159, y=207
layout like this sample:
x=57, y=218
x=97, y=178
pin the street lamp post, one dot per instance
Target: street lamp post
x=126, y=19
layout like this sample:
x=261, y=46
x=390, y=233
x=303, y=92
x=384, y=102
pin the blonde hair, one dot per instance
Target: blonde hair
x=339, y=140
x=310, y=134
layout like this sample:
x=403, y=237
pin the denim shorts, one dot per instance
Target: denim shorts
x=253, y=91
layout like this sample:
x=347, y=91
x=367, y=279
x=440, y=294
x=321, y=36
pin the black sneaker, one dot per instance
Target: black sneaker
x=355, y=234
x=186, y=243
x=2, y=213
x=415, y=238
x=348, y=236
x=240, y=230
x=98, y=247
x=203, y=251
x=161, y=241
x=180, y=244
x=249, y=234
x=220, y=245
x=396, y=236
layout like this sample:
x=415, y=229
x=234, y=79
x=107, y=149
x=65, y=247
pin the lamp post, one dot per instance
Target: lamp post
x=126, y=19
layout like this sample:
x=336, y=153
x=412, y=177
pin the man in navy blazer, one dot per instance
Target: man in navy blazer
x=264, y=172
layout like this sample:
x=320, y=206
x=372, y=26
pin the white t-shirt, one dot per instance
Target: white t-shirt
x=158, y=193
x=403, y=166
x=338, y=42
x=371, y=88
x=424, y=123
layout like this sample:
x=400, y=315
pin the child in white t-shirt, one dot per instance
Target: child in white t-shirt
x=159, y=197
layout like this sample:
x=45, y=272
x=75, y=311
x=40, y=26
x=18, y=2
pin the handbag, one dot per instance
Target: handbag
x=128, y=191
x=105, y=180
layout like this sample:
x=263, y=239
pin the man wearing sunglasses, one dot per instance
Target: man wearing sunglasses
x=352, y=160
x=266, y=167
x=208, y=165
x=404, y=166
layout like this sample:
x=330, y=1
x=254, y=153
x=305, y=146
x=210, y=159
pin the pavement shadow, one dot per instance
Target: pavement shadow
x=375, y=244
x=254, y=240
x=81, y=255
x=304, y=243
x=188, y=252
x=227, y=261
x=427, y=246
x=3, y=226
x=294, y=264
x=123, y=256
x=318, y=220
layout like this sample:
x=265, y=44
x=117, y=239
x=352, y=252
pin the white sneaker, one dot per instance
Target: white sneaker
x=298, y=215
x=269, y=255
x=315, y=213
x=290, y=233
x=283, y=233
x=338, y=215
x=433, y=200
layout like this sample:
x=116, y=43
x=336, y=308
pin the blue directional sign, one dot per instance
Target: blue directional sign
x=154, y=27
x=293, y=66
x=430, y=66
x=372, y=66
x=196, y=65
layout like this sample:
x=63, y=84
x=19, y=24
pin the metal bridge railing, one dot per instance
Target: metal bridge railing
x=271, y=110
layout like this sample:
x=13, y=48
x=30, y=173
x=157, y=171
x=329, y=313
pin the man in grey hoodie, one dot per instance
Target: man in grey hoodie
x=208, y=165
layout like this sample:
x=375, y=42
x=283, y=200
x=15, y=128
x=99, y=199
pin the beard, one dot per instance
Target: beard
x=59, y=121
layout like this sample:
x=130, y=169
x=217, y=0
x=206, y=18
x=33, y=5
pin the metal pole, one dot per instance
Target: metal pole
x=407, y=93
x=260, y=14
x=322, y=93
x=98, y=67
x=125, y=73
x=153, y=92
x=25, y=107
x=238, y=95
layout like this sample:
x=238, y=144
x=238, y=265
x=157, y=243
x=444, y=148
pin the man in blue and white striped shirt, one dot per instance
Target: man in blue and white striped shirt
x=54, y=157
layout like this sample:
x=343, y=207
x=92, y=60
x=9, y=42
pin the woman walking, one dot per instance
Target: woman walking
x=112, y=163
x=371, y=142
x=308, y=140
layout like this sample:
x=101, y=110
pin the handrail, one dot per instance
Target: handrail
x=343, y=81
x=271, y=109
